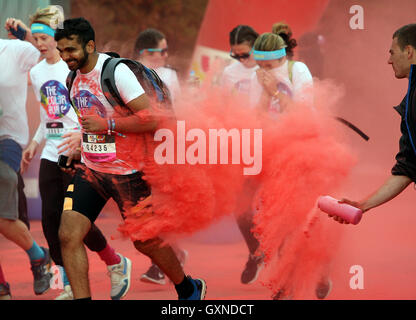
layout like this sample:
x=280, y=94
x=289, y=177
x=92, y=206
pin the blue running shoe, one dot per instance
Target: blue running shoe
x=120, y=275
x=200, y=289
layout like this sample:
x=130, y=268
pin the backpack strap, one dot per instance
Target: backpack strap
x=148, y=79
x=69, y=82
x=290, y=69
x=108, y=82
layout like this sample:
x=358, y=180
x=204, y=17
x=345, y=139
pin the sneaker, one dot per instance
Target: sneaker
x=323, y=288
x=41, y=273
x=200, y=289
x=253, y=267
x=120, y=278
x=153, y=275
x=282, y=294
x=66, y=294
x=5, y=291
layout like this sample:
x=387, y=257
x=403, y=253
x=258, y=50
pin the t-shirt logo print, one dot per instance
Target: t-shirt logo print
x=54, y=99
x=86, y=102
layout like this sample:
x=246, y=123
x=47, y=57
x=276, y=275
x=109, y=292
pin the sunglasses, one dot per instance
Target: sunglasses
x=162, y=51
x=240, y=56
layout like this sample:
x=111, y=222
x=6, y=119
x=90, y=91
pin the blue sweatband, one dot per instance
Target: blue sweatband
x=269, y=55
x=42, y=28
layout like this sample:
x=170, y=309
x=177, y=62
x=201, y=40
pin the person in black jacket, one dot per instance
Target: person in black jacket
x=403, y=60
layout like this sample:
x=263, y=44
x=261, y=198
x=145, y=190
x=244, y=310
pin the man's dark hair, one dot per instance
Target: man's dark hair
x=406, y=36
x=78, y=27
x=243, y=33
x=147, y=39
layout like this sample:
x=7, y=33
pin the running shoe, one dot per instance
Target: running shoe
x=200, y=289
x=66, y=294
x=120, y=278
x=323, y=288
x=5, y=291
x=41, y=273
x=282, y=294
x=153, y=275
x=253, y=267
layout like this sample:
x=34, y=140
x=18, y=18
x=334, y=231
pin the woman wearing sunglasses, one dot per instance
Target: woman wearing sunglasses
x=238, y=74
x=151, y=49
x=237, y=77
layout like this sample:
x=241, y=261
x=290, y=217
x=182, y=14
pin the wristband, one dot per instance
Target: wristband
x=113, y=124
x=109, y=126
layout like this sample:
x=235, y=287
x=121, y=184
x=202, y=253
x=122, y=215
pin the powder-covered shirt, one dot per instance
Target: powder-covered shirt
x=170, y=78
x=57, y=116
x=16, y=59
x=102, y=152
x=237, y=77
x=297, y=89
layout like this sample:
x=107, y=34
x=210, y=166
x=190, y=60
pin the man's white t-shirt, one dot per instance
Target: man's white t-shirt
x=57, y=116
x=16, y=59
x=101, y=152
x=297, y=89
x=237, y=77
x=170, y=78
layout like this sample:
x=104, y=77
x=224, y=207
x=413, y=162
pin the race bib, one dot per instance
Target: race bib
x=99, y=147
x=54, y=130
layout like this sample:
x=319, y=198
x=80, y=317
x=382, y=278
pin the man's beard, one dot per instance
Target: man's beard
x=82, y=62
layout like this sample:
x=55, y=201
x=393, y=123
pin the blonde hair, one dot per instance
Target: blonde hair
x=50, y=16
x=269, y=42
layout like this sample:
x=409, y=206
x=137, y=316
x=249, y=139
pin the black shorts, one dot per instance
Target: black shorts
x=89, y=191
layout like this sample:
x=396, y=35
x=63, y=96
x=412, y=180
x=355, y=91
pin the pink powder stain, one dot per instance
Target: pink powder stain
x=303, y=158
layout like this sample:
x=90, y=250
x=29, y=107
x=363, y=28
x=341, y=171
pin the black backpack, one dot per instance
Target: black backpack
x=148, y=78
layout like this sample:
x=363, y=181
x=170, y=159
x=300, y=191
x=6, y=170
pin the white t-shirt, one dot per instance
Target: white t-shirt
x=57, y=116
x=170, y=78
x=16, y=59
x=237, y=77
x=296, y=89
x=101, y=152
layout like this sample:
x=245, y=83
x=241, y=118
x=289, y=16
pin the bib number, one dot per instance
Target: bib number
x=99, y=147
x=54, y=130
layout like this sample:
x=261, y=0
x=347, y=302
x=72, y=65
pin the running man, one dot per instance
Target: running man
x=111, y=172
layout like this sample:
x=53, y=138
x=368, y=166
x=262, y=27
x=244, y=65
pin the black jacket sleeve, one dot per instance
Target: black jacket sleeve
x=406, y=157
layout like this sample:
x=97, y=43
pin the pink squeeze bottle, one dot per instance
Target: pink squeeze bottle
x=345, y=211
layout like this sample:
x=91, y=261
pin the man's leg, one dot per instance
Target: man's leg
x=82, y=206
x=165, y=258
x=129, y=190
x=73, y=229
x=15, y=230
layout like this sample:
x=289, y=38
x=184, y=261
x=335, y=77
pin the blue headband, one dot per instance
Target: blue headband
x=269, y=55
x=42, y=28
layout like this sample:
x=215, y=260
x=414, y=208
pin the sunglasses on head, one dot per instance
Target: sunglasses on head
x=162, y=51
x=240, y=56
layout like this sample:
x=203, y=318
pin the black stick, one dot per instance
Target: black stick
x=350, y=125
